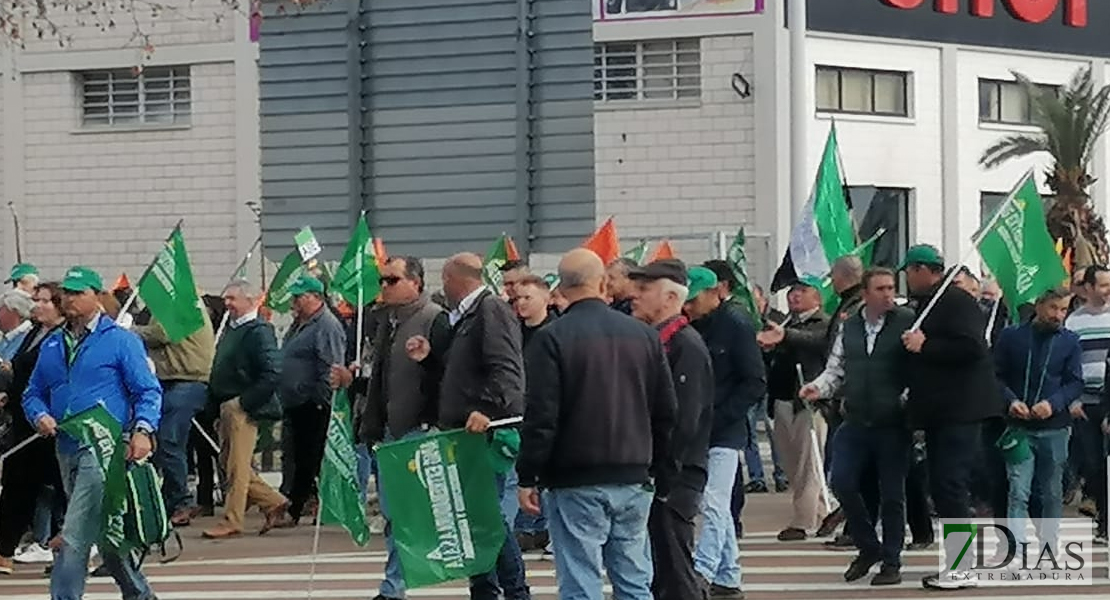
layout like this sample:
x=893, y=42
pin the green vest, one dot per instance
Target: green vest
x=873, y=383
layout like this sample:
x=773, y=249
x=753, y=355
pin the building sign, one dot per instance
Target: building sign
x=614, y=10
x=1079, y=27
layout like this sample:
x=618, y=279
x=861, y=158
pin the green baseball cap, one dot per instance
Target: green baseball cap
x=80, y=279
x=922, y=254
x=22, y=270
x=699, y=279
x=305, y=284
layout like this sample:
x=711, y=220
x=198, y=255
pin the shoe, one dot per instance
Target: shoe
x=101, y=571
x=381, y=597
x=1101, y=539
x=7, y=567
x=888, y=575
x=755, y=487
x=1087, y=508
x=278, y=518
x=841, y=542
x=917, y=546
x=792, y=534
x=221, y=531
x=830, y=523
x=782, y=486
x=951, y=580
x=725, y=593
x=859, y=568
x=182, y=517
x=34, y=553
x=205, y=511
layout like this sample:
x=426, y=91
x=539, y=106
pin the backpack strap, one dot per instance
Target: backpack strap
x=670, y=330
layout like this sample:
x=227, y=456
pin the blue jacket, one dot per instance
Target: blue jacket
x=111, y=368
x=1024, y=345
x=740, y=379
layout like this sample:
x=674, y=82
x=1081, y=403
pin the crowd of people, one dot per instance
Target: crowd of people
x=641, y=390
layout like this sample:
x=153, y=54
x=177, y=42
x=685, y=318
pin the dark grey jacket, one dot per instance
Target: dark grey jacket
x=307, y=354
x=485, y=365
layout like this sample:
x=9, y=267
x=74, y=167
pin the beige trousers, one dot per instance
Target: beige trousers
x=238, y=436
x=802, y=465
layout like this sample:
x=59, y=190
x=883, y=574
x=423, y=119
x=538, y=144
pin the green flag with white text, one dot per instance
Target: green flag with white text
x=169, y=291
x=340, y=498
x=737, y=260
x=358, y=263
x=449, y=525
x=96, y=429
x=278, y=297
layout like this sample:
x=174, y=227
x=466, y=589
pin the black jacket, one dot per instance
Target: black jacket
x=803, y=344
x=15, y=382
x=952, y=379
x=601, y=404
x=484, y=368
x=692, y=373
x=738, y=372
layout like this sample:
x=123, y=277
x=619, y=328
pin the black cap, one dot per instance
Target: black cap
x=667, y=268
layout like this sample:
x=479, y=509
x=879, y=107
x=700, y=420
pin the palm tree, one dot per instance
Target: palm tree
x=1072, y=122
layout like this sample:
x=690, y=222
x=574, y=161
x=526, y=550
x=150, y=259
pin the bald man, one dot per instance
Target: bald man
x=483, y=380
x=601, y=408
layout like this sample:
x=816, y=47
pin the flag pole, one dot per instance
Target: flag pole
x=15, y=223
x=990, y=322
x=135, y=292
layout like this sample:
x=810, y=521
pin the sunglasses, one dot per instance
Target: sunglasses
x=393, y=280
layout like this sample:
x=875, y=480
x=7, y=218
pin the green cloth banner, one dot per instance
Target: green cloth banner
x=447, y=521
x=96, y=429
x=346, y=282
x=737, y=260
x=340, y=501
x=278, y=297
x=170, y=292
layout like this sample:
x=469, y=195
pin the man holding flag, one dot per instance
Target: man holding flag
x=93, y=377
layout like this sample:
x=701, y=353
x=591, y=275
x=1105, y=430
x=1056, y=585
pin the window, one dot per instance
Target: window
x=649, y=70
x=861, y=91
x=1006, y=102
x=875, y=208
x=156, y=96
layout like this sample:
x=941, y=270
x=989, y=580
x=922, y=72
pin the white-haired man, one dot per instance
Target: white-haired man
x=15, y=322
x=24, y=276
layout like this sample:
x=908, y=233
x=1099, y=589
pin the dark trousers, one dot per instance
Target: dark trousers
x=204, y=459
x=952, y=450
x=671, y=530
x=309, y=428
x=991, y=485
x=1091, y=443
x=738, y=496
x=25, y=475
x=888, y=449
x=918, y=514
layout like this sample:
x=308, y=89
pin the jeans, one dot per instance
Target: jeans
x=363, y=472
x=393, y=581
x=887, y=449
x=181, y=401
x=951, y=451
x=84, y=483
x=717, y=557
x=508, y=577
x=758, y=414
x=1044, y=470
x=596, y=526
x=527, y=523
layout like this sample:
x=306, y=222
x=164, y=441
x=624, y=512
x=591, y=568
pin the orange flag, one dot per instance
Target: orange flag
x=379, y=252
x=604, y=242
x=122, y=283
x=511, y=252
x=662, y=251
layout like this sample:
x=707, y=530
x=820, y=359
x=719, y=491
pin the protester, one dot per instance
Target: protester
x=759, y=413
x=91, y=353
x=619, y=288
x=661, y=292
x=601, y=408
x=800, y=343
x=15, y=322
x=31, y=482
x=314, y=343
x=869, y=364
x=951, y=391
x=24, y=276
x=183, y=368
x=513, y=273
x=739, y=382
x=244, y=381
x=483, y=380
x=1040, y=373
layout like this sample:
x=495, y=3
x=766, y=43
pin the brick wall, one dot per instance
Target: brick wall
x=108, y=198
x=684, y=167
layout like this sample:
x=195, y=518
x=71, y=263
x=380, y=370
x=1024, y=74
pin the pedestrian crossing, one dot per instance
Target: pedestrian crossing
x=250, y=568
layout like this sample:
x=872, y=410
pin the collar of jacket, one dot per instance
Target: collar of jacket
x=814, y=316
x=586, y=304
x=851, y=293
x=406, y=311
x=473, y=308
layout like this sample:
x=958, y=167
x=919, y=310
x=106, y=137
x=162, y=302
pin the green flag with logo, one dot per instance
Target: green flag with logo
x=96, y=429
x=1017, y=248
x=358, y=263
x=278, y=297
x=449, y=525
x=502, y=251
x=340, y=499
x=737, y=260
x=638, y=253
x=169, y=291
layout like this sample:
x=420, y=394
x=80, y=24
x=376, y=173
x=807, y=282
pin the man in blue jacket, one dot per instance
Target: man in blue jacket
x=87, y=362
x=1040, y=371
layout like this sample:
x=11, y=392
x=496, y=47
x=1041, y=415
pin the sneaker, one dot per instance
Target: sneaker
x=830, y=523
x=860, y=567
x=33, y=554
x=950, y=580
x=381, y=597
x=792, y=534
x=782, y=486
x=720, y=592
x=756, y=487
x=888, y=575
x=7, y=567
x=840, y=543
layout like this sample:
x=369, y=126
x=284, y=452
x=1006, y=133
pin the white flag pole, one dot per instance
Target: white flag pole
x=991, y=320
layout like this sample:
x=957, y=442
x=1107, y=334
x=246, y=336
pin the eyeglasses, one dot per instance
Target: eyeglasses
x=389, y=280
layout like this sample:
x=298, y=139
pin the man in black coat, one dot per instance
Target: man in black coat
x=661, y=292
x=952, y=389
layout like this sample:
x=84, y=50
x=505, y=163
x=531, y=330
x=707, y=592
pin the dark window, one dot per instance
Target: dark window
x=862, y=91
x=1007, y=102
x=875, y=208
x=990, y=201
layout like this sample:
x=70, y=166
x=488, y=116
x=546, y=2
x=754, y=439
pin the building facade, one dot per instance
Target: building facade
x=104, y=146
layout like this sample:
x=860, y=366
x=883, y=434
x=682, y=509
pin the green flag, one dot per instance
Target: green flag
x=1017, y=248
x=358, y=259
x=96, y=429
x=864, y=251
x=638, y=253
x=169, y=291
x=340, y=499
x=502, y=251
x=278, y=297
x=737, y=260
x=449, y=525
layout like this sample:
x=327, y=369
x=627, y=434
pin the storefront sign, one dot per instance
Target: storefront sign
x=1028, y=11
x=620, y=10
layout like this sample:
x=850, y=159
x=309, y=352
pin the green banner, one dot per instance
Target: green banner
x=446, y=519
x=340, y=501
x=278, y=297
x=501, y=252
x=169, y=291
x=97, y=429
x=737, y=260
x=359, y=267
x=638, y=253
